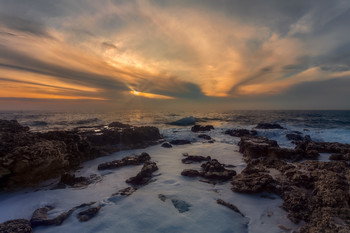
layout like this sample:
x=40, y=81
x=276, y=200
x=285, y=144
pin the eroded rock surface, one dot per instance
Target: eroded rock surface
x=16, y=226
x=145, y=175
x=130, y=160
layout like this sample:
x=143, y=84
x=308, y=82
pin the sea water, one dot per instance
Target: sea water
x=143, y=211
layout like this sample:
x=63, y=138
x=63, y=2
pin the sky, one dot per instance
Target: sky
x=159, y=54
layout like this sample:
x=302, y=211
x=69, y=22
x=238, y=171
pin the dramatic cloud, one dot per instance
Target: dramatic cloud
x=197, y=51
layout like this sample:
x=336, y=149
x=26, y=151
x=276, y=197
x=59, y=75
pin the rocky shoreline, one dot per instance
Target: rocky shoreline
x=28, y=158
x=314, y=193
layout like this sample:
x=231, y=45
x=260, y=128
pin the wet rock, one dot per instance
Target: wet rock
x=324, y=147
x=198, y=128
x=190, y=173
x=184, y=121
x=215, y=170
x=285, y=153
x=195, y=158
x=180, y=142
x=16, y=226
x=268, y=126
x=88, y=214
x=166, y=145
x=345, y=157
x=40, y=217
x=125, y=192
x=230, y=206
x=130, y=160
x=28, y=158
x=294, y=137
x=117, y=124
x=205, y=136
x=253, y=180
x=254, y=147
x=241, y=132
x=145, y=175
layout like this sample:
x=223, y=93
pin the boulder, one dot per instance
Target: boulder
x=184, y=121
x=217, y=171
x=254, y=147
x=198, y=128
x=167, y=145
x=190, y=173
x=40, y=217
x=205, y=136
x=195, y=158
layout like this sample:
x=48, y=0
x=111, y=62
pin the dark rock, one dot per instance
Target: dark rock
x=167, y=145
x=197, y=128
x=195, y=158
x=268, y=126
x=204, y=136
x=16, y=226
x=230, y=206
x=125, y=192
x=130, y=160
x=180, y=142
x=254, y=147
x=40, y=217
x=253, y=183
x=117, y=124
x=190, y=173
x=162, y=197
x=240, y=132
x=88, y=214
x=215, y=170
x=184, y=121
x=145, y=175
x=28, y=158
x=294, y=137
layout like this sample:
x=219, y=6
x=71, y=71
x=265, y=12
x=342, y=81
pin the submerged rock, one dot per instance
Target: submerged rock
x=125, y=192
x=184, y=121
x=130, y=160
x=198, y=128
x=16, y=226
x=230, y=206
x=180, y=205
x=40, y=217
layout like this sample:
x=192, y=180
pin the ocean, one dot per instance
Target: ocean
x=143, y=211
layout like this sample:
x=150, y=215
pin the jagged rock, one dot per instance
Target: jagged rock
x=27, y=158
x=130, y=160
x=88, y=214
x=16, y=226
x=254, y=147
x=125, y=192
x=230, y=206
x=184, y=121
x=215, y=170
x=197, y=128
x=167, y=145
x=76, y=182
x=145, y=175
x=195, y=158
x=268, y=126
x=345, y=157
x=180, y=142
x=205, y=136
x=294, y=137
x=190, y=173
x=241, y=132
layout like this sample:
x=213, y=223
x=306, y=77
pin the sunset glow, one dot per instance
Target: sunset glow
x=172, y=51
